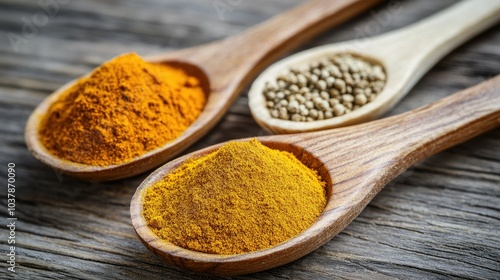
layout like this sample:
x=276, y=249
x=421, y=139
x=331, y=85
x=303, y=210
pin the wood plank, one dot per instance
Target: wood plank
x=438, y=220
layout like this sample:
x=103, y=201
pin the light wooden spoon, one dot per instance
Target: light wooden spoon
x=224, y=67
x=356, y=162
x=406, y=54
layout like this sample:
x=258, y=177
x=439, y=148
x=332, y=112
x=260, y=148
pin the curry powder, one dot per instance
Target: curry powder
x=125, y=108
x=241, y=198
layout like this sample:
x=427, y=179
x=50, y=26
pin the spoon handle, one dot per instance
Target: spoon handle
x=422, y=44
x=363, y=158
x=277, y=36
x=423, y=132
x=235, y=60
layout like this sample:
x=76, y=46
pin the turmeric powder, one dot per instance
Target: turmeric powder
x=241, y=198
x=125, y=108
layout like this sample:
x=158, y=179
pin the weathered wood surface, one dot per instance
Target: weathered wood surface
x=441, y=219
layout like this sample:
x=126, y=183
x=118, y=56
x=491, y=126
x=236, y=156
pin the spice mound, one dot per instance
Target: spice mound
x=125, y=108
x=331, y=87
x=241, y=198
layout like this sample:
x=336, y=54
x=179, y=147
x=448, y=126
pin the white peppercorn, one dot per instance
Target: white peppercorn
x=347, y=98
x=294, y=88
x=356, y=77
x=324, y=95
x=321, y=115
x=325, y=74
x=362, y=83
x=334, y=93
x=303, y=90
x=322, y=85
x=333, y=102
x=360, y=99
x=348, y=105
x=357, y=91
x=313, y=113
x=309, y=104
x=330, y=81
x=371, y=97
x=296, y=118
x=324, y=62
x=283, y=113
x=304, y=112
x=340, y=85
x=344, y=68
x=301, y=99
x=339, y=110
x=293, y=106
x=270, y=95
x=301, y=80
x=335, y=72
x=292, y=79
x=271, y=87
x=313, y=79
x=323, y=105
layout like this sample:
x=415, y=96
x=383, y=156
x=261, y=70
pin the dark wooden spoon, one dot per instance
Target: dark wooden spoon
x=356, y=162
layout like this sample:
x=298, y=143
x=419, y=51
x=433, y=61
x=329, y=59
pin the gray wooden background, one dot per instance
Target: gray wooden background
x=439, y=220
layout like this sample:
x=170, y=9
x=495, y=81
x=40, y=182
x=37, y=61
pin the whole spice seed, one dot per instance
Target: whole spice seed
x=328, y=88
x=241, y=198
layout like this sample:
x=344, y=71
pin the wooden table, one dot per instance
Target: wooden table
x=440, y=219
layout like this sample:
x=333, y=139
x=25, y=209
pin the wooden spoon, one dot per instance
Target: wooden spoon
x=406, y=54
x=224, y=68
x=356, y=162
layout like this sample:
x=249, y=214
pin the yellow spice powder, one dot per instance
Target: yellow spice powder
x=241, y=198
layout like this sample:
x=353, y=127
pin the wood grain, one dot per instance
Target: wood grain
x=438, y=220
x=356, y=162
x=406, y=55
x=223, y=69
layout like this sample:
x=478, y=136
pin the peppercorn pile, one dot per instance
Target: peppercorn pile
x=331, y=87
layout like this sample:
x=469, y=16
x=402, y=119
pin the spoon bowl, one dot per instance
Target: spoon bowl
x=224, y=67
x=356, y=162
x=110, y=172
x=405, y=54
